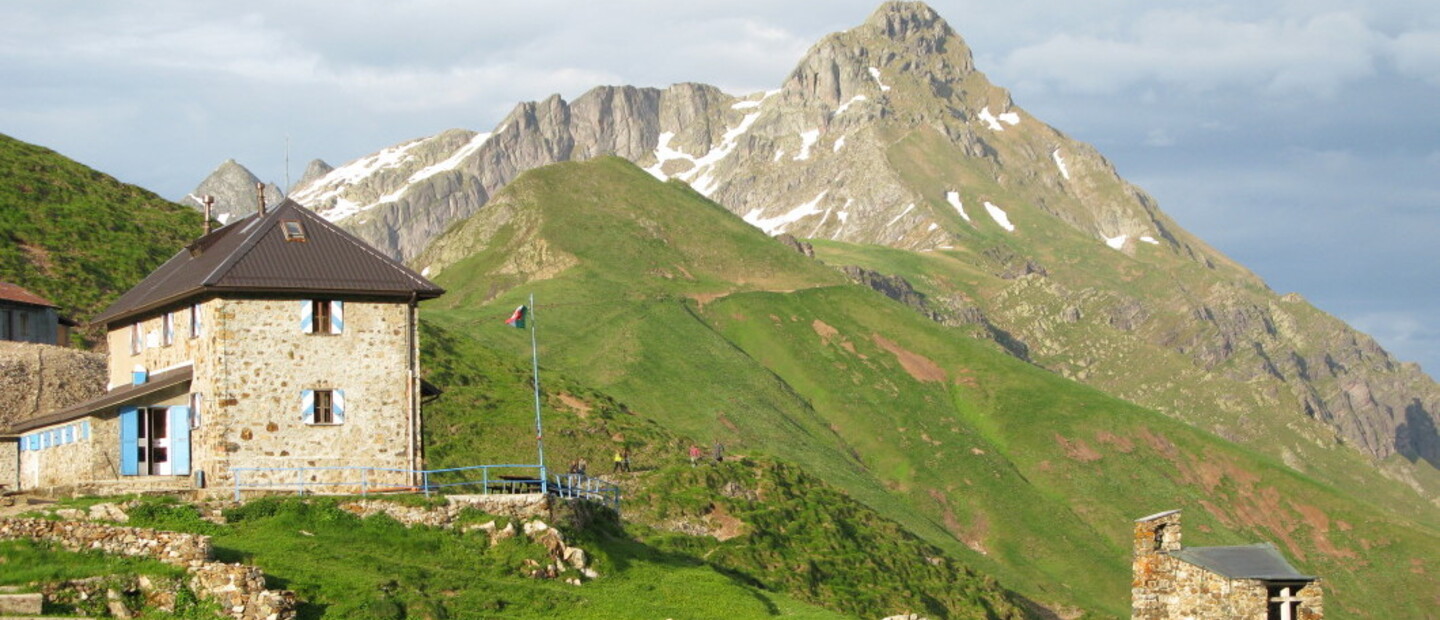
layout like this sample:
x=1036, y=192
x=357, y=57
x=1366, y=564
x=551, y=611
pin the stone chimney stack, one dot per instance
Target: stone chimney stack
x=260, y=196
x=1158, y=533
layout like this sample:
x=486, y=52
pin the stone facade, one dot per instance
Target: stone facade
x=1165, y=586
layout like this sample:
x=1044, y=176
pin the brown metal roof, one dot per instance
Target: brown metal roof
x=15, y=293
x=119, y=396
x=253, y=255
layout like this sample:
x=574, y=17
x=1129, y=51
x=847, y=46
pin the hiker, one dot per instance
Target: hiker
x=719, y=451
x=694, y=454
x=625, y=459
x=581, y=465
x=619, y=464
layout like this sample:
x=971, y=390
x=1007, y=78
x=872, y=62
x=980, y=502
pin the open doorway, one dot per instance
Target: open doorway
x=153, y=447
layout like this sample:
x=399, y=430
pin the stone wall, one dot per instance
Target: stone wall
x=9, y=464
x=238, y=588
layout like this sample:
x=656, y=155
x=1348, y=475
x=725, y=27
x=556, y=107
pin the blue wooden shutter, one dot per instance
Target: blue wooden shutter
x=307, y=406
x=337, y=406
x=129, y=441
x=85, y=430
x=337, y=317
x=307, y=317
x=179, y=440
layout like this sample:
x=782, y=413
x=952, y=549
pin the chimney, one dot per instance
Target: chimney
x=260, y=195
x=209, y=203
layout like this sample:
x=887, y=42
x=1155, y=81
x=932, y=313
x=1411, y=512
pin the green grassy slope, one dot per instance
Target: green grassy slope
x=79, y=237
x=1010, y=470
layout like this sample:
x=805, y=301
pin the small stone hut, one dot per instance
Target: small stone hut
x=1248, y=582
x=279, y=345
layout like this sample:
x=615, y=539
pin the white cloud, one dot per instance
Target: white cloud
x=1417, y=54
x=1197, y=51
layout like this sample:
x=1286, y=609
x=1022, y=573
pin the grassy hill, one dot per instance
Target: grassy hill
x=715, y=332
x=79, y=237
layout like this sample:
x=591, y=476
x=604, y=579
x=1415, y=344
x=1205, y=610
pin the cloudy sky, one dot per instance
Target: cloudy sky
x=1301, y=137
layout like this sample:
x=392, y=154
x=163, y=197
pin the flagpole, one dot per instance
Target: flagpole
x=535, y=364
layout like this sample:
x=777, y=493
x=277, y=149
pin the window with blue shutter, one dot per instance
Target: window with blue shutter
x=337, y=317
x=179, y=440
x=129, y=441
x=337, y=406
x=307, y=316
x=307, y=406
x=85, y=430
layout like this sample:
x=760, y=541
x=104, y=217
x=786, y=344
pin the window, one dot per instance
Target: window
x=195, y=321
x=322, y=316
x=137, y=340
x=5, y=325
x=322, y=406
x=294, y=231
x=1283, y=603
x=167, y=328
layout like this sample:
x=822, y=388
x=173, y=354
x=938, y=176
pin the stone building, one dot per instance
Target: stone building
x=27, y=317
x=1248, y=582
x=279, y=346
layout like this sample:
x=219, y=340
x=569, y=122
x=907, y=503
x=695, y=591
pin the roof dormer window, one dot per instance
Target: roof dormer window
x=294, y=231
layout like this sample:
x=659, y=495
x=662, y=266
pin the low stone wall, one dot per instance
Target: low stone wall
x=516, y=506
x=239, y=588
x=188, y=550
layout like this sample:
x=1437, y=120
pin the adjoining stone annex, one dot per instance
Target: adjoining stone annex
x=275, y=343
x=1248, y=582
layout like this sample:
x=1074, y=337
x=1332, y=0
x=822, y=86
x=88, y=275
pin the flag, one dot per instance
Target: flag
x=517, y=319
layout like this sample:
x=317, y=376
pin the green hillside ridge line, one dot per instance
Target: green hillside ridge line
x=78, y=237
x=1017, y=472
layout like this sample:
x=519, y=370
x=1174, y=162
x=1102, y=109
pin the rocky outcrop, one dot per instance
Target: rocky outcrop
x=233, y=187
x=38, y=378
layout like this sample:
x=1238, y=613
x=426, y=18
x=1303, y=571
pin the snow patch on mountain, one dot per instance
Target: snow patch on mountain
x=754, y=103
x=1060, y=163
x=453, y=161
x=807, y=140
x=846, y=106
x=1150, y=240
x=776, y=225
x=700, y=176
x=953, y=198
x=993, y=122
x=907, y=210
x=840, y=142
x=999, y=215
x=332, y=185
x=875, y=73
x=779, y=153
x=1115, y=242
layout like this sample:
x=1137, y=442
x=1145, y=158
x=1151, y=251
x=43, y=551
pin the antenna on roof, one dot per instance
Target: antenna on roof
x=209, y=202
x=287, y=162
x=260, y=195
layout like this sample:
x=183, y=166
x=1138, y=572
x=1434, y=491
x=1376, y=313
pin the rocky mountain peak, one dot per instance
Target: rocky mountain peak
x=233, y=186
x=914, y=25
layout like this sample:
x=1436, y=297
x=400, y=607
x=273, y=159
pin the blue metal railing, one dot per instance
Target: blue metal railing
x=369, y=480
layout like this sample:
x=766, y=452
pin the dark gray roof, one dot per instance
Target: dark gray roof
x=123, y=395
x=252, y=255
x=1259, y=561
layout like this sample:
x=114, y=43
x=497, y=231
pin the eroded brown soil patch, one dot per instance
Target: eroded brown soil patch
x=919, y=366
x=580, y=407
x=1077, y=450
x=1122, y=444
